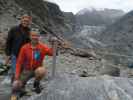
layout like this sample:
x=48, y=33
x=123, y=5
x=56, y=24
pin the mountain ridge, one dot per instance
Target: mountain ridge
x=101, y=16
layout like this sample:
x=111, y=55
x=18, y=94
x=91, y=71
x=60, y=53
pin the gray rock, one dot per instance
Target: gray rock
x=67, y=87
x=113, y=71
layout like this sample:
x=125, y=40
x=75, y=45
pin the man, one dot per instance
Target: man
x=30, y=64
x=17, y=37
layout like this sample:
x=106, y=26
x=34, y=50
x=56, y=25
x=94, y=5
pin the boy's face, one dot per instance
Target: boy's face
x=35, y=39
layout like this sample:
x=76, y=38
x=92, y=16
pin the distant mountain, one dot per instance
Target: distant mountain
x=118, y=37
x=121, y=32
x=123, y=25
x=96, y=17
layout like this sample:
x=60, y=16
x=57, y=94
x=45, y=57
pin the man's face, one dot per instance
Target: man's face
x=25, y=21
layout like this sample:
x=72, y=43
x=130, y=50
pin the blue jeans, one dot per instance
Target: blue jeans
x=13, y=64
x=12, y=70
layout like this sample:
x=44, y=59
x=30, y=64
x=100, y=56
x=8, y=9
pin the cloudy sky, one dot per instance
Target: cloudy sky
x=76, y=5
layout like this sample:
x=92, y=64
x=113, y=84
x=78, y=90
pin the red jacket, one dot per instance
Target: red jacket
x=27, y=60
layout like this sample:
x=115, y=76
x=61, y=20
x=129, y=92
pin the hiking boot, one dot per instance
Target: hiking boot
x=22, y=93
x=37, y=87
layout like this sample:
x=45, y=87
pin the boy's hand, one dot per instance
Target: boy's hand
x=17, y=84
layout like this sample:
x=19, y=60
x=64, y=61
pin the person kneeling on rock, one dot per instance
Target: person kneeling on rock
x=30, y=64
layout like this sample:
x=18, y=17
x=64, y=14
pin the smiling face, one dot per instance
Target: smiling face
x=26, y=21
x=34, y=38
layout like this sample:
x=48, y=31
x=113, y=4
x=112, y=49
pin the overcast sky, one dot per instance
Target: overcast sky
x=76, y=5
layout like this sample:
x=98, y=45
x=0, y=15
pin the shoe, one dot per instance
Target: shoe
x=14, y=97
x=37, y=87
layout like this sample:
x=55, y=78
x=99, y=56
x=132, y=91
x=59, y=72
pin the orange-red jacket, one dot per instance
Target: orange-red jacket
x=26, y=58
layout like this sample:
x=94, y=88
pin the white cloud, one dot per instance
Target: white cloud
x=76, y=5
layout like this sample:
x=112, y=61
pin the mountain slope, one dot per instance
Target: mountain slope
x=119, y=32
x=118, y=38
x=96, y=17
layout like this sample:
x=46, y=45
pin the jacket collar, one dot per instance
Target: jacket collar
x=30, y=46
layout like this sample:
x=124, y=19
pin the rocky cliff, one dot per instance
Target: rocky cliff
x=49, y=13
x=71, y=22
x=47, y=16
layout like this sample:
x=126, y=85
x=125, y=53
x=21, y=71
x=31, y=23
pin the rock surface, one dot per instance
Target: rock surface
x=69, y=87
